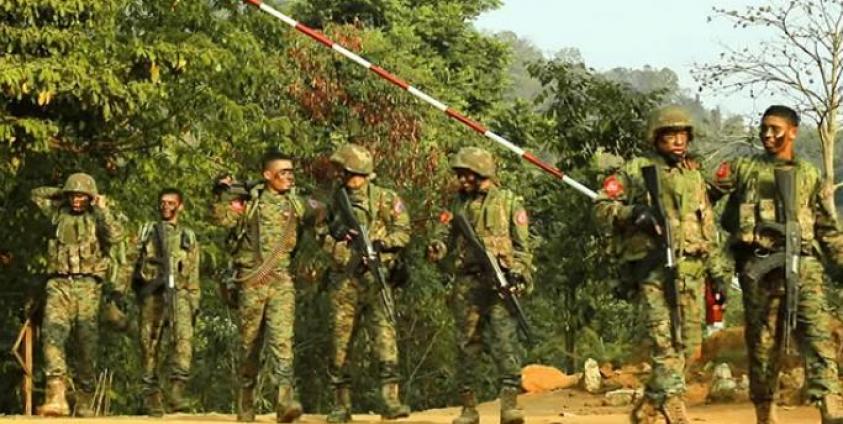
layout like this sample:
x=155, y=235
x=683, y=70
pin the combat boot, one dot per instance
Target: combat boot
x=152, y=404
x=674, y=411
x=83, y=404
x=342, y=405
x=765, y=413
x=287, y=408
x=831, y=409
x=644, y=412
x=510, y=412
x=246, y=405
x=177, y=401
x=469, y=414
x=55, y=402
x=392, y=406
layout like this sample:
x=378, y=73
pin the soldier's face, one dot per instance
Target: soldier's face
x=79, y=202
x=353, y=181
x=279, y=175
x=673, y=142
x=169, y=206
x=469, y=181
x=776, y=134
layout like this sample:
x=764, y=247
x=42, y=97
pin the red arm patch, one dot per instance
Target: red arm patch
x=723, y=171
x=521, y=217
x=445, y=217
x=237, y=205
x=613, y=187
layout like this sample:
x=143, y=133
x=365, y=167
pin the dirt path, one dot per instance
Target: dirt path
x=562, y=407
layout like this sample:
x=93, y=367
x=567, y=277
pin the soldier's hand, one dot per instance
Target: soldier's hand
x=518, y=284
x=436, y=251
x=644, y=218
x=379, y=246
x=340, y=231
x=100, y=201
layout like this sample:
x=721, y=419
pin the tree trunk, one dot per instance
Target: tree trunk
x=828, y=135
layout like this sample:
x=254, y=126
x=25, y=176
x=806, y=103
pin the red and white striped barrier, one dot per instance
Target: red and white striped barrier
x=474, y=125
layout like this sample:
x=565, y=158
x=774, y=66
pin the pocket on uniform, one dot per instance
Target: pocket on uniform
x=746, y=221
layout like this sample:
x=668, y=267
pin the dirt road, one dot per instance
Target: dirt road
x=561, y=407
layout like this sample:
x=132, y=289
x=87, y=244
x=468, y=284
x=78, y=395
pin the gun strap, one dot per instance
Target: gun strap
x=266, y=269
x=756, y=268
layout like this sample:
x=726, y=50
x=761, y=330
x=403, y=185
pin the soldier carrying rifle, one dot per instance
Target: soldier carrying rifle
x=779, y=216
x=658, y=206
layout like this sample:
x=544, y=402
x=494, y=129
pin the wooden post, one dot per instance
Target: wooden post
x=25, y=339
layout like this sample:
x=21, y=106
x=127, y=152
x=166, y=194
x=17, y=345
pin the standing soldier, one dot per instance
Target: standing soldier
x=355, y=290
x=625, y=208
x=167, y=283
x=265, y=229
x=500, y=222
x=754, y=210
x=82, y=226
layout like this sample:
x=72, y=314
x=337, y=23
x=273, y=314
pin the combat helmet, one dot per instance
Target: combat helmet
x=672, y=116
x=475, y=159
x=80, y=182
x=354, y=158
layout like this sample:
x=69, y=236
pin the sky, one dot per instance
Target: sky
x=632, y=34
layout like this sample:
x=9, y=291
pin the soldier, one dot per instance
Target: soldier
x=354, y=291
x=265, y=226
x=625, y=209
x=500, y=221
x=167, y=284
x=82, y=225
x=751, y=210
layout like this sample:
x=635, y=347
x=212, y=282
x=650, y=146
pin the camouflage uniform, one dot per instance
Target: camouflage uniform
x=691, y=219
x=184, y=252
x=500, y=221
x=354, y=291
x=265, y=231
x=76, y=264
x=753, y=202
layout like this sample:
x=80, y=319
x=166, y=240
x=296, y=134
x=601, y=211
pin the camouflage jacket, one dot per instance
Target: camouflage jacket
x=750, y=184
x=79, y=242
x=184, y=253
x=684, y=197
x=500, y=222
x=383, y=212
x=265, y=222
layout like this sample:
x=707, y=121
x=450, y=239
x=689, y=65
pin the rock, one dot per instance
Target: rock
x=592, y=379
x=723, y=386
x=791, y=384
x=622, y=397
x=542, y=378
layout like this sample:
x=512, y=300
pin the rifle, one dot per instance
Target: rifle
x=671, y=288
x=364, y=247
x=165, y=277
x=492, y=267
x=786, y=186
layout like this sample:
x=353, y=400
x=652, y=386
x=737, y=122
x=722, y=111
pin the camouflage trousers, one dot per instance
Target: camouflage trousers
x=355, y=300
x=668, y=362
x=764, y=314
x=267, y=312
x=72, y=303
x=484, y=324
x=156, y=329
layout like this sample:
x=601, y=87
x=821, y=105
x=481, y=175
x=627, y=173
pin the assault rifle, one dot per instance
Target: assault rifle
x=786, y=185
x=164, y=278
x=671, y=287
x=363, y=245
x=492, y=267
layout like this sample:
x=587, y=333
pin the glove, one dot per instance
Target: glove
x=519, y=284
x=644, y=218
x=436, y=250
x=339, y=231
x=379, y=246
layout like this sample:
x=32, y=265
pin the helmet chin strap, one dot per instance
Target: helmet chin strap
x=672, y=158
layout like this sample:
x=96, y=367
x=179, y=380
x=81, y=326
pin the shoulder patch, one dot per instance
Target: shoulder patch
x=613, y=187
x=237, y=205
x=521, y=217
x=445, y=217
x=397, y=206
x=723, y=171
